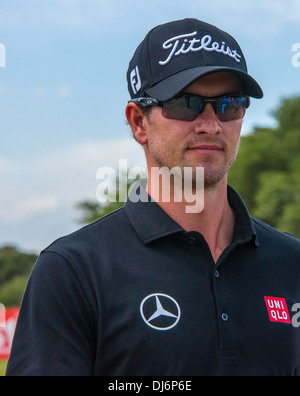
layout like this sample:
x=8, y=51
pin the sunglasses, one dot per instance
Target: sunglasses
x=187, y=107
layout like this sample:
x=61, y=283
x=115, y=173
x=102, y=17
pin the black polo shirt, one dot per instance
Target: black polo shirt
x=134, y=294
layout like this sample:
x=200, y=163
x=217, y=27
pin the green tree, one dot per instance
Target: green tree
x=266, y=172
x=15, y=268
x=288, y=115
x=92, y=211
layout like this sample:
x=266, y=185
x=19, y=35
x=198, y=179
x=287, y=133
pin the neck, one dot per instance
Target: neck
x=215, y=222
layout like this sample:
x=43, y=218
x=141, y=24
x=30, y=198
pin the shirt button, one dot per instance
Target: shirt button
x=225, y=317
x=191, y=240
x=217, y=274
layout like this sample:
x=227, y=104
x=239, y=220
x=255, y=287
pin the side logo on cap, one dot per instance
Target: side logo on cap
x=135, y=80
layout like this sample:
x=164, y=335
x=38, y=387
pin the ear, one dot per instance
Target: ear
x=137, y=119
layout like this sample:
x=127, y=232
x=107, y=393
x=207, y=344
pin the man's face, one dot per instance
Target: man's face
x=205, y=142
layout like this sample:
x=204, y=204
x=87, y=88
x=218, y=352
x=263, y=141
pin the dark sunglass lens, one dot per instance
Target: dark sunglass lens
x=184, y=108
x=231, y=108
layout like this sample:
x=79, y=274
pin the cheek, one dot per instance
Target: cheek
x=165, y=146
x=232, y=132
x=165, y=133
x=162, y=144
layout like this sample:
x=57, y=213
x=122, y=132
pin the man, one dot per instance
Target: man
x=155, y=288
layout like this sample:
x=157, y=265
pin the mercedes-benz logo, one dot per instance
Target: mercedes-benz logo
x=160, y=311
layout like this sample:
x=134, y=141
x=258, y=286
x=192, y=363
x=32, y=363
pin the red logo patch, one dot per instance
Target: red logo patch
x=277, y=309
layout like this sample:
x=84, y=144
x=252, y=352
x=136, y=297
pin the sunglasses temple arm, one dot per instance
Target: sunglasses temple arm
x=145, y=102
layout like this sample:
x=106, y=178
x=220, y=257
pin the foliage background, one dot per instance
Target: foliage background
x=15, y=268
x=266, y=172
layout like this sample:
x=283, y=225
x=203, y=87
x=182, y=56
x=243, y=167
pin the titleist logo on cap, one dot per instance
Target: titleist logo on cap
x=181, y=45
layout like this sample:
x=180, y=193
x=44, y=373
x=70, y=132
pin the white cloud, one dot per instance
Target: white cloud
x=6, y=166
x=83, y=159
x=38, y=197
x=31, y=207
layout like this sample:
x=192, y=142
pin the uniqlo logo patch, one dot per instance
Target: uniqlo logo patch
x=277, y=309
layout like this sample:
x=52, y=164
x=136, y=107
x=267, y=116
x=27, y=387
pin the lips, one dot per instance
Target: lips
x=206, y=147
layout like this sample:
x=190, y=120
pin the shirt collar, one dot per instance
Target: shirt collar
x=151, y=222
x=244, y=230
x=148, y=219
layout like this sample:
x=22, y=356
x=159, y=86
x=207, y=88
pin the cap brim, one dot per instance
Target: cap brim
x=170, y=87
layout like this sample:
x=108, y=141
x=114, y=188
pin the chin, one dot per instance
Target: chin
x=214, y=178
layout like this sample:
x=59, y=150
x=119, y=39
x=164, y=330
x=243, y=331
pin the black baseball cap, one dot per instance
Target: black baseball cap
x=175, y=54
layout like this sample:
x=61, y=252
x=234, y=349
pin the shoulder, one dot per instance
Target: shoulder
x=94, y=235
x=94, y=250
x=85, y=254
x=274, y=238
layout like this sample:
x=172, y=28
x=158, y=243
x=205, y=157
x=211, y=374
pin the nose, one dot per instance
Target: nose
x=207, y=122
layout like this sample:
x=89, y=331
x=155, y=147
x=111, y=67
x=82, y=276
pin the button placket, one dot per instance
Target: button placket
x=223, y=299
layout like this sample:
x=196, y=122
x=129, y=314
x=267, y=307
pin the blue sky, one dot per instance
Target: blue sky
x=63, y=93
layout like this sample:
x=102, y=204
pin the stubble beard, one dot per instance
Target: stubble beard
x=212, y=174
